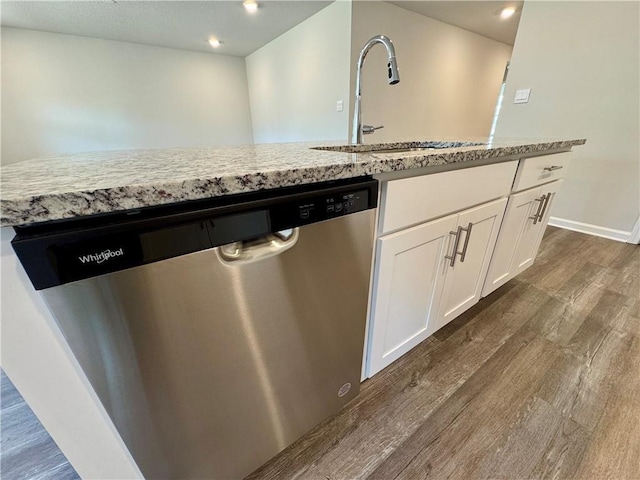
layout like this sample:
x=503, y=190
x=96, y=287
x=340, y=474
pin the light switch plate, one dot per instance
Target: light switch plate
x=339, y=106
x=522, y=96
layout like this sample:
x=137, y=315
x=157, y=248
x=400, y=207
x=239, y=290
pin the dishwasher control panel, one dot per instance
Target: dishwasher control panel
x=331, y=206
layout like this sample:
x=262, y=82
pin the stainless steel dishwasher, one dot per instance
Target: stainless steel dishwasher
x=217, y=332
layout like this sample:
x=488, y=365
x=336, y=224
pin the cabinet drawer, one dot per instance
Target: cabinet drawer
x=538, y=170
x=409, y=201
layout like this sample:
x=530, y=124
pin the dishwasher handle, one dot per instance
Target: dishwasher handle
x=256, y=249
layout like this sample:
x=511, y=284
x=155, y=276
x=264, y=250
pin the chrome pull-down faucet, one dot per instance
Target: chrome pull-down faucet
x=394, y=77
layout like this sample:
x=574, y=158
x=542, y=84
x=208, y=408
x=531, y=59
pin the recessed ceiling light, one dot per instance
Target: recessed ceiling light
x=214, y=42
x=250, y=6
x=507, y=12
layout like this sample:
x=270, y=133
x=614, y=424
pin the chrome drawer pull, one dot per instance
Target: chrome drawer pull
x=456, y=244
x=536, y=215
x=466, y=241
x=546, y=204
x=452, y=257
x=552, y=168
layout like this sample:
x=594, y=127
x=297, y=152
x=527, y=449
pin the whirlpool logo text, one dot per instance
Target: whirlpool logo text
x=101, y=257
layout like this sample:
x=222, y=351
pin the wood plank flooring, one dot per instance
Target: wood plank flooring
x=541, y=379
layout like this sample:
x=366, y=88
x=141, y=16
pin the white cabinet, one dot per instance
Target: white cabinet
x=465, y=279
x=522, y=229
x=407, y=289
x=550, y=190
x=534, y=171
x=414, y=200
x=426, y=276
x=492, y=216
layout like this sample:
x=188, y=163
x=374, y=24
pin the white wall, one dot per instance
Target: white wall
x=64, y=93
x=449, y=77
x=582, y=63
x=296, y=80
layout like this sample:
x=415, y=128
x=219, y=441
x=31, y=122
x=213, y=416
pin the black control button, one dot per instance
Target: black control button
x=330, y=208
x=338, y=207
x=304, y=214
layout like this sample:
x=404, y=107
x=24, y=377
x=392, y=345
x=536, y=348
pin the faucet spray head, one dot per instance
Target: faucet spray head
x=392, y=71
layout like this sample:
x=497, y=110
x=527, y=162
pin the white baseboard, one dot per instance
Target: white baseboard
x=604, y=232
x=634, y=236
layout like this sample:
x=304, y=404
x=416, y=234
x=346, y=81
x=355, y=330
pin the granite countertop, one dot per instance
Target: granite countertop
x=81, y=184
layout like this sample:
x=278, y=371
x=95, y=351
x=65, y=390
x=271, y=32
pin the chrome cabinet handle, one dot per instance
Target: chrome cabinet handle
x=463, y=254
x=452, y=257
x=546, y=204
x=552, y=168
x=536, y=215
x=456, y=244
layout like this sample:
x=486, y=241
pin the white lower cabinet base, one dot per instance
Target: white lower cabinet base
x=427, y=275
x=522, y=230
x=410, y=278
x=423, y=284
x=464, y=281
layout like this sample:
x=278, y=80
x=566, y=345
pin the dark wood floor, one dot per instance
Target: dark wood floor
x=541, y=379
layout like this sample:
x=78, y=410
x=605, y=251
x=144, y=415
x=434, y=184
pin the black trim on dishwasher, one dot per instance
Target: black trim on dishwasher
x=63, y=251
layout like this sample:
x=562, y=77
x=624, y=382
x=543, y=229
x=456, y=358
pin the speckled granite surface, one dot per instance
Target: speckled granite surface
x=66, y=186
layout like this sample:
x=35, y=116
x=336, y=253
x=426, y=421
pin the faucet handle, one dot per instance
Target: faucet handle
x=367, y=129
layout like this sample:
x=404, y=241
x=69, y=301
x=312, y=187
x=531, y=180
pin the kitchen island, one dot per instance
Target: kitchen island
x=104, y=183
x=74, y=185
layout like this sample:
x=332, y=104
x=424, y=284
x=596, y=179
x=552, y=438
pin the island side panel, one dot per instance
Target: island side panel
x=39, y=362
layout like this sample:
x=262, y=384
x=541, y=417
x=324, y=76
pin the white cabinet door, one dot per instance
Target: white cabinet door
x=549, y=192
x=517, y=243
x=478, y=229
x=408, y=286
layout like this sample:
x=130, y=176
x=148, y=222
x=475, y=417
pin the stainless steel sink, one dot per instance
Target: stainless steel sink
x=398, y=147
x=404, y=150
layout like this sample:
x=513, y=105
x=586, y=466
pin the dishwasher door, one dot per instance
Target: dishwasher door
x=209, y=368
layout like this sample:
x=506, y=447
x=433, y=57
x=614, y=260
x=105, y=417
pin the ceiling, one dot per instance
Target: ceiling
x=189, y=24
x=177, y=24
x=479, y=16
